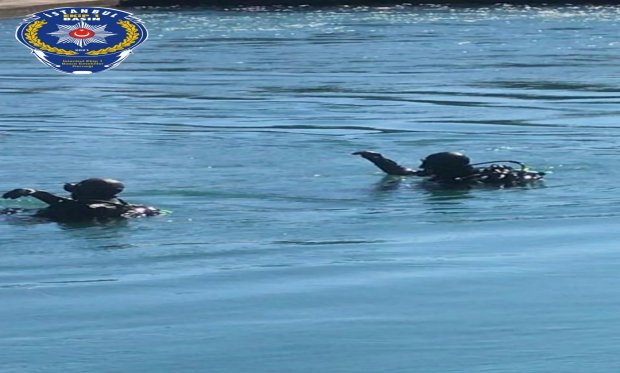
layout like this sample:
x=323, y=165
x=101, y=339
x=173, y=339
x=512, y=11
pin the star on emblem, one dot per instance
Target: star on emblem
x=81, y=34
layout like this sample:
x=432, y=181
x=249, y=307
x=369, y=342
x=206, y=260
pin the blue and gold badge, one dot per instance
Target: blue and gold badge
x=81, y=40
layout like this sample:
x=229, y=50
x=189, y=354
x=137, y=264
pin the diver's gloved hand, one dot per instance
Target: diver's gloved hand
x=367, y=154
x=16, y=193
x=386, y=165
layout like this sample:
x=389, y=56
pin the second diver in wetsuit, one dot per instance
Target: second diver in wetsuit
x=91, y=199
x=455, y=170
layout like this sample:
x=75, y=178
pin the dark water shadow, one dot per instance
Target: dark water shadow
x=431, y=189
x=106, y=224
x=440, y=193
x=21, y=216
x=388, y=183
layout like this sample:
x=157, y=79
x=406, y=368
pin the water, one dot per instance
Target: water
x=284, y=253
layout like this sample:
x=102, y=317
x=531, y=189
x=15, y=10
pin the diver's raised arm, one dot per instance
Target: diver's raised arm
x=387, y=165
x=46, y=197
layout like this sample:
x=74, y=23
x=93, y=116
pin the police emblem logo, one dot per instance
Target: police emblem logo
x=81, y=40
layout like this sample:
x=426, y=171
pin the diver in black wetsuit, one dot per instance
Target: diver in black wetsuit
x=455, y=170
x=91, y=199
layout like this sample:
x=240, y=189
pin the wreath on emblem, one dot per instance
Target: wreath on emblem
x=31, y=36
x=33, y=29
x=132, y=36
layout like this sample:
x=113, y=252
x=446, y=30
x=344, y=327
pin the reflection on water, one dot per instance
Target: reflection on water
x=447, y=196
x=285, y=253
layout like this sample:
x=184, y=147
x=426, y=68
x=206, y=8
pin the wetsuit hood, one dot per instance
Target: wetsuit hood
x=446, y=165
x=94, y=189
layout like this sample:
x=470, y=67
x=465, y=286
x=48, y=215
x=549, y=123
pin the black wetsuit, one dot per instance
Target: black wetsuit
x=69, y=209
x=463, y=175
x=72, y=210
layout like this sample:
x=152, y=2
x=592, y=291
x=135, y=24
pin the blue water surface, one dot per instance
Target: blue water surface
x=282, y=252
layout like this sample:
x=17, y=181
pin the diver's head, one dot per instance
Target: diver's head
x=94, y=189
x=446, y=165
